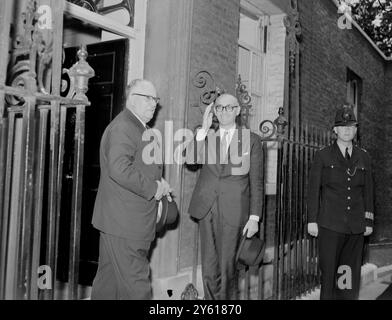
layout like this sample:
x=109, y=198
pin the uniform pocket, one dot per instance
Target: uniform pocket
x=333, y=173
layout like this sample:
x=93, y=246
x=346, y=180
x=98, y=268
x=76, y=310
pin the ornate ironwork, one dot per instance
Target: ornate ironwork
x=270, y=129
x=190, y=293
x=294, y=32
x=99, y=7
x=244, y=99
x=79, y=75
x=204, y=80
x=32, y=57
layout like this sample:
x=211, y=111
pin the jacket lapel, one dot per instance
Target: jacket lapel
x=134, y=120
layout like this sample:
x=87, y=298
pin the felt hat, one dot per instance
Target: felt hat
x=167, y=213
x=251, y=251
x=345, y=117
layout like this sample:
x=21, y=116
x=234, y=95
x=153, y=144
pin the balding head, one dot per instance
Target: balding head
x=227, y=99
x=136, y=84
x=231, y=110
x=142, y=99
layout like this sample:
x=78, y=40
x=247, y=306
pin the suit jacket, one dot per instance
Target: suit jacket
x=340, y=192
x=125, y=205
x=237, y=184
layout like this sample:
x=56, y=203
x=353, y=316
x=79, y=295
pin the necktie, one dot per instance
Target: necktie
x=224, y=143
x=347, y=155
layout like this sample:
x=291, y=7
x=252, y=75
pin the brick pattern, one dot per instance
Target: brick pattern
x=214, y=48
x=326, y=53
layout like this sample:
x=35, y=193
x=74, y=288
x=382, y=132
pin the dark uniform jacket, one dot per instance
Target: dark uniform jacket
x=125, y=205
x=340, y=191
x=237, y=185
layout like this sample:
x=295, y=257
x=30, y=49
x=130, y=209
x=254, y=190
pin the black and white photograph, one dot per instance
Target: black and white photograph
x=220, y=151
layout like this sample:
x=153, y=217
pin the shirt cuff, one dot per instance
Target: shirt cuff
x=369, y=215
x=254, y=217
x=201, y=134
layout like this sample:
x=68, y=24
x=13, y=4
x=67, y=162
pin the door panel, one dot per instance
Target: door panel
x=107, y=96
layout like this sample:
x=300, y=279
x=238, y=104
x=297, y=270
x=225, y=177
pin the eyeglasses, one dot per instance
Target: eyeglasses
x=151, y=98
x=228, y=108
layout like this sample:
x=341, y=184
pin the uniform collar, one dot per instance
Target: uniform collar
x=340, y=157
x=342, y=148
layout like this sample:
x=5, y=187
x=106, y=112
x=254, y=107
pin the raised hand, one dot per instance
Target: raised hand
x=207, y=117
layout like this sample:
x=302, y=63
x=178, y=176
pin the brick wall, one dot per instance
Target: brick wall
x=386, y=188
x=214, y=49
x=326, y=53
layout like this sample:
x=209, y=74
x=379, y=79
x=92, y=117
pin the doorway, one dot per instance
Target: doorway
x=107, y=96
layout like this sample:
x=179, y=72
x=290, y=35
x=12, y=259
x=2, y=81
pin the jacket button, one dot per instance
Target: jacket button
x=349, y=188
x=348, y=179
x=348, y=198
x=348, y=208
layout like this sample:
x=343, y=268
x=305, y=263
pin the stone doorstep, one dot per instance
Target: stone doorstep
x=384, y=271
x=178, y=282
x=369, y=274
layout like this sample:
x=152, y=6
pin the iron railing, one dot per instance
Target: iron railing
x=33, y=127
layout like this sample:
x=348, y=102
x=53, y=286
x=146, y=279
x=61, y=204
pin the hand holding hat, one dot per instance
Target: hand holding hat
x=167, y=212
x=251, y=251
x=163, y=189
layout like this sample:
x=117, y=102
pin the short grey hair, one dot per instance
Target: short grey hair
x=132, y=85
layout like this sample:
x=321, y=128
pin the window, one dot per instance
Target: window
x=251, y=65
x=354, y=87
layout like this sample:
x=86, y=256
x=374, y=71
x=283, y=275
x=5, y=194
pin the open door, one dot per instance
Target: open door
x=107, y=95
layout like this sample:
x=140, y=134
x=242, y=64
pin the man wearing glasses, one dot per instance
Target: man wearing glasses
x=226, y=201
x=340, y=208
x=125, y=210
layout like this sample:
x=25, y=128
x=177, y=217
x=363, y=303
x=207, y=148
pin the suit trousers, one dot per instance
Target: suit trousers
x=123, y=270
x=340, y=257
x=219, y=244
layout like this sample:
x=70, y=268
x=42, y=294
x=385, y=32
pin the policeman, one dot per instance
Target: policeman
x=340, y=208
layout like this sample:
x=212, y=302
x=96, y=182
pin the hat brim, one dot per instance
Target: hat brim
x=345, y=124
x=259, y=258
x=169, y=213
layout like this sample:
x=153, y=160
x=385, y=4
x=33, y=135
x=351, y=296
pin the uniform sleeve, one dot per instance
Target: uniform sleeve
x=314, y=188
x=256, y=179
x=120, y=153
x=369, y=194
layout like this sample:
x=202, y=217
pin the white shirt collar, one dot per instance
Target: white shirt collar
x=230, y=132
x=143, y=123
x=343, y=149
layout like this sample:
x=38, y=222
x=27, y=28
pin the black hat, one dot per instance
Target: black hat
x=169, y=213
x=345, y=117
x=251, y=251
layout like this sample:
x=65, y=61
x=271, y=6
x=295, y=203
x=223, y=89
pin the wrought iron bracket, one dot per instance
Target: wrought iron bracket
x=274, y=130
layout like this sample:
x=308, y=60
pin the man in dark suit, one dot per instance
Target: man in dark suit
x=340, y=208
x=125, y=210
x=227, y=199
